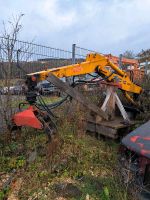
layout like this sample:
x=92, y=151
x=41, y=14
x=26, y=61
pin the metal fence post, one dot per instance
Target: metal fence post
x=120, y=61
x=70, y=79
x=146, y=67
x=73, y=53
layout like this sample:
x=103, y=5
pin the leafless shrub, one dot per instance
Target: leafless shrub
x=7, y=56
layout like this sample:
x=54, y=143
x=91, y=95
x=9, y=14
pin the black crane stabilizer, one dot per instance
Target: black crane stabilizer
x=139, y=140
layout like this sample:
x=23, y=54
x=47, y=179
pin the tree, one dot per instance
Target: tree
x=10, y=33
x=129, y=54
x=144, y=55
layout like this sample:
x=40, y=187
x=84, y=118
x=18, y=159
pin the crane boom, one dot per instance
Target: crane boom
x=94, y=63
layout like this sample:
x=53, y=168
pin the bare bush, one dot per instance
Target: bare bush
x=7, y=56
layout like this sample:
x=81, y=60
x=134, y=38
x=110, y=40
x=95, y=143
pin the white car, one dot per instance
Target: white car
x=5, y=90
x=46, y=87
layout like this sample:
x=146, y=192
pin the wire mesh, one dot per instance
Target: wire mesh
x=81, y=53
x=32, y=57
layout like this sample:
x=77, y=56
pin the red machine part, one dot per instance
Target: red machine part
x=27, y=118
x=142, y=142
x=137, y=73
x=139, y=140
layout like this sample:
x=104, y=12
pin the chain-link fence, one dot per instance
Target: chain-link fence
x=18, y=58
x=81, y=53
x=29, y=57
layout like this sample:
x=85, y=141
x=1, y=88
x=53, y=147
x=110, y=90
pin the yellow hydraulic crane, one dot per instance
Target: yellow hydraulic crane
x=94, y=63
x=39, y=116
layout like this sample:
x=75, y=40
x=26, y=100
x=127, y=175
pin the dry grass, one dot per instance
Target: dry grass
x=88, y=165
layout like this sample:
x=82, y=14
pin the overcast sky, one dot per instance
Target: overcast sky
x=107, y=26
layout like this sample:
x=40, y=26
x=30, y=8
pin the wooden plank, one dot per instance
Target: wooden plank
x=73, y=92
x=112, y=129
x=106, y=131
x=91, y=127
x=101, y=130
x=117, y=123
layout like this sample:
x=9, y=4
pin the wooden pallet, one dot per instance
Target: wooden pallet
x=113, y=128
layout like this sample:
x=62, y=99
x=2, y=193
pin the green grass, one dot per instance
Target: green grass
x=80, y=159
x=18, y=99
